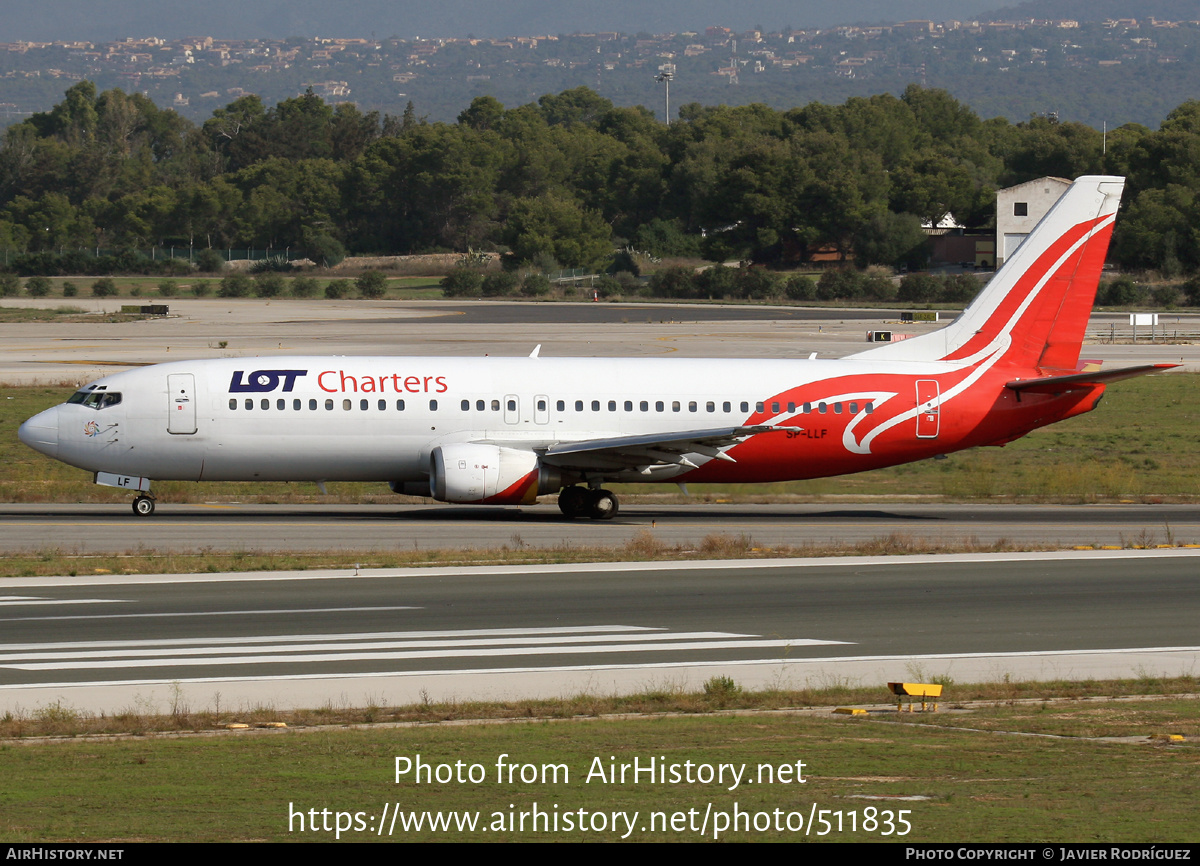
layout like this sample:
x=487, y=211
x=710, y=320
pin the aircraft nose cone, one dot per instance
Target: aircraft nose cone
x=41, y=432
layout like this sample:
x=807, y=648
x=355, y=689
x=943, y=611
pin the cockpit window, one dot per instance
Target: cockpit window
x=96, y=399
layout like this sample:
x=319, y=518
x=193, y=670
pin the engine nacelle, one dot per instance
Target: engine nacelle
x=488, y=474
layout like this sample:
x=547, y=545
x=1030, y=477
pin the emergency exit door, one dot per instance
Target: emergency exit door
x=181, y=403
x=928, y=408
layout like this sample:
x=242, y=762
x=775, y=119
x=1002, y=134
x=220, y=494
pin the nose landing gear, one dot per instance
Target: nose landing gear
x=143, y=506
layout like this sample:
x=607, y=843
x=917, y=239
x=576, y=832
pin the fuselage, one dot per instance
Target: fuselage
x=379, y=419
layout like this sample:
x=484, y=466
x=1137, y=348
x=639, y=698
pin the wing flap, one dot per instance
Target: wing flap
x=652, y=449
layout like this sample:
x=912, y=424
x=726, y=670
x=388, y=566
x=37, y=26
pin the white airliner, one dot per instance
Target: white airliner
x=507, y=430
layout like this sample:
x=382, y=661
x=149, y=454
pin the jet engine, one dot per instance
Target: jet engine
x=490, y=474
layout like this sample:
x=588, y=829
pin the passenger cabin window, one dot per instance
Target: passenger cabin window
x=628, y=405
x=382, y=405
x=328, y=405
x=612, y=405
x=399, y=405
x=480, y=405
x=561, y=405
x=578, y=405
x=433, y=405
x=595, y=405
x=364, y=405
x=249, y=402
x=281, y=403
x=728, y=407
x=495, y=405
x=233, y=402
x=466, y=405
x=296, y=404
x=346, y=405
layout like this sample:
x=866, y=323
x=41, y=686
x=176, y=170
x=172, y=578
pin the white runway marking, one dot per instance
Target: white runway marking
x=10, y=600
x=312, y=649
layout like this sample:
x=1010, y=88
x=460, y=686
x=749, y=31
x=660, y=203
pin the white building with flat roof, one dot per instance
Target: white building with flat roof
x=1018, y=209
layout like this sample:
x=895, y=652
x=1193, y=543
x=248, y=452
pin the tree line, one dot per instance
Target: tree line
x=567, y=180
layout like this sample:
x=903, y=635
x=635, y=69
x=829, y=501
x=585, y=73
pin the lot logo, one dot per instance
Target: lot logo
x=91, y=428
x=264, y=380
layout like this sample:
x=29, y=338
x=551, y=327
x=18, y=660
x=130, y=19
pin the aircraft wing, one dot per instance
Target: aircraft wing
x=654, y=449
x=1082, y=381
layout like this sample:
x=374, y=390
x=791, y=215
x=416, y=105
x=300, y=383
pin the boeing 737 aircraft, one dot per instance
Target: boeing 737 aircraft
x=507, y=430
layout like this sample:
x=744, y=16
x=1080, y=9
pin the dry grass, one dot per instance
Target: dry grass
x=1023, y=700
x=643, y=547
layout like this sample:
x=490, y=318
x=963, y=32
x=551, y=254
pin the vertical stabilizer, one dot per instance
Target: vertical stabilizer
x=1035, y=309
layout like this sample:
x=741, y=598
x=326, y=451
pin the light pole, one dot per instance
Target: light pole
x=665, y=78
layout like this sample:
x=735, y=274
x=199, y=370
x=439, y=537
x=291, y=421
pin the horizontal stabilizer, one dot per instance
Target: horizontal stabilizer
x=1082, y=381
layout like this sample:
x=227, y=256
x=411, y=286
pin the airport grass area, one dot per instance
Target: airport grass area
x=1082, y=770
x=1139, y=445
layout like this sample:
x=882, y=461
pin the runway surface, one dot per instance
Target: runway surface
x=307, y=639
x=242, y=327
x=113, y=528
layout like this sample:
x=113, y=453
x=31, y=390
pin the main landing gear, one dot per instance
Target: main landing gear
x=582, y=502
x=143, y=506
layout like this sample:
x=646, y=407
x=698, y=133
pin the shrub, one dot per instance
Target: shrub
x=919, y=288
x=461, y=282
x=269, y=284
x=760, y=284
x=104, y=288
x=168, y=289
x=536, y=286
x=235, y=285
x=38, y=287
x=70, y=290
x=337, y=289
x=958, y=288
x=1121, y=292
x=323, y=249
x=201, y=289
x=607, y=287
x=673, y=283
x=371, y=284
x=304, y=287
x=800, y=288
x=10, y=285
x=718, y=282
x=840, y=284
x=498, y=285
x=210, y=261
